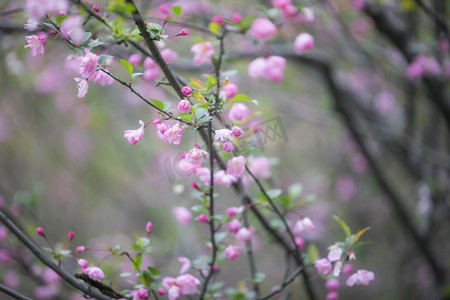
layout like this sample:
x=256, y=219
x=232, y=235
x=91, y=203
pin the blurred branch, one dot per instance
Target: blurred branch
x=284, y=284
x=13, y=293
x=435, y=16
x=47, y=261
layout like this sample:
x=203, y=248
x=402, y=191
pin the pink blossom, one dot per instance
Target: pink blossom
x=47, y=291
x=290, y=11
x=203, y=218
x=88, y=64
x=205, y=175
x=306, y=15
x=161, y=291
x=182, y=214
x=271, y=68
x=82, y=86
x=140, y=294
x=228, y=146
x=40, y=231
x=133, y=136
x=423, y=66
x=257, y=68
x=95, y=273
x=83, y=263
x=230, y=90
x=299, y=242
x=50, y=277
x=347, y=269
x=173, y=135
x=36, y=43
x=238, y=112
x=169, y=55
x=234, y=226
x=262, y=29
x=11, y=279
x=260, y=167
x=3, y=233
x=5, y=256
x=337, y=268
x=36, y=9
x=235, y=17
x=232, y=252
x=184, y=106
x=149, y=227
x=332, y=285
x=222, y=134
x=72, y=28
x=236, y=166
x=151, y=74
x=332, y=296
x=80, y=249
x=134, y=59
x=161, y=129
x=149, y=63
x=360, y=277
x=236, y=131
x=244, y=234
x=220, y=177
x=233, y=211
x=102, y=78
x=304, y=224
x=186, y=264
x=218, y=19
x=186, y=90
x=184, y=32
x=323, y=266
x=188, y=284
x=280, y=4
x=203, y=53
x=71, y=235
x=335, y=253
x=303, y=42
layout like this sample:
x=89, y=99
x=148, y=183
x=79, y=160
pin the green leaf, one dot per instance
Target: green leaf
x=154, y=271
x=86, y=37
x=214, y=27
x=158, y=104
x=154, y=27
x=255, y=102
x=126, y=274
x=134, y=75
x=240, y=97
x=185, y=116
x=103, y=57
x=200, y=209
x=219, y=236
x=359, y=234
x=137, y=262
x=177, y=10
x=167, y=105
x=344, y=226
x=51, y=26
x=285, y=200
x=313, y=253
x=274, y=193
x=259, y=277
x=295, y=190
x=127, y=66
x=95, y=44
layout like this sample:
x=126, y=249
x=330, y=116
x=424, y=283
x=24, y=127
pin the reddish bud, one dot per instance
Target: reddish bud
x=161, y=291
x=96, y=8
x=218, y=19
x=203, y=218
x=149, y=227
x=52, y=31
x=40, y=231
x=80, y=249
x=184, y=32
x=186, y=90
x=71, y=235
x=195, y=186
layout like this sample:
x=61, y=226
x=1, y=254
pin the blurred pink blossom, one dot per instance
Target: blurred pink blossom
x=262, y=29
x=238, y=112
x=203, y=53
x=362, y=277
x=182, y=214
x=303, y=42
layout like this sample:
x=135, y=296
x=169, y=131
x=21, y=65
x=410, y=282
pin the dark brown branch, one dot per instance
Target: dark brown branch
x=13, y=293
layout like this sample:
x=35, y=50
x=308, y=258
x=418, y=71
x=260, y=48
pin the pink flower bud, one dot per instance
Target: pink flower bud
x=161, y=291
x=299, y=242
x=218, y=19
x=203, y=218
x=235, y=17
x=232, y=211
x=96, y=8
x=262, y=29
x=40, y=231
x=80, y=249
x=195, y=186
x=332, y=296
x=347, y=269
x=230, y=90
x=184, y=32
x=186, y=90
x=236, y=131
x=71, y=235
x=149, y=227
x=234, y=225
x=228, y=146
x=84, y=263
x=303, y=42
x=244, y=234
x=323, y=266
x=184, y=106
x=95, y=273
x=332, y=285
x=232, y=252
x=182, y=214
x=134, y=59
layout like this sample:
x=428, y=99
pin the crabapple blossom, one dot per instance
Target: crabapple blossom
x=36, y=9
x=72, y=28
x=169, y=55
x=228, y=146
x=185, y=284
x=182, y=214
x=83, y=263
x=259, y=166
x=218, y=19
x=140, y=294
x=238, y=112
x=161, y=291
x=232, y=252
x=303, y=42
x=280, y=4
x=262, y=29
x=36, y=43
x=149, y=227
x=80, y=249
x=236, y=166
x=304, y=223
x=195, y=156
x=184, y=32
x=134, y=59
x=204, y=174
x=271, y=68
x=323, y=266
x=203, y=53
x=186, y=264
x=133, y=136
x=88, y=63
x=234, y=226
x=235, y=17
x=299, y=242
x=203, y=218
x=186, y=90
x=335, y=253
x=229, y=90
x=332, y=285
x=244, y=234
x=347, y=269
x=173, y=135
x=71, y=235
x=222, y=134
x=40, y=231
x=95, y=273
x=233, y=211
x=332, y=296
x=236, y=131
x=184, y=106
x=290, y=11
x=257, y=67
x=82, y=86
x=306, y=15
x=423, y=66
x=221, y=177
x=337, y=268
x=360, y=277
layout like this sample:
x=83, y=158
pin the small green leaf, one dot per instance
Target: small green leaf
x=219, y=236
x=359, y=234
x=154, y=27
x=214, y=27
x=51, y=26
x=154, y=271
x=86, y=37
x=259, y=277
x=255, y=102
x=126, y=274
x=295, y=190
x=95, y=44
x=177, y=10
x=200, y=209
x=167, y=105
x=285, y=200
x=274, y=193
x=134, y=75
x=158, y=104
x=344, y=226
x=127, y=66
x=313, y=253
x=103, y=57
x=137, y=262
x=240, y=97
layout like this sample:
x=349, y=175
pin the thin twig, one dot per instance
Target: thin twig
x=284, y=284
x=13, y=293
